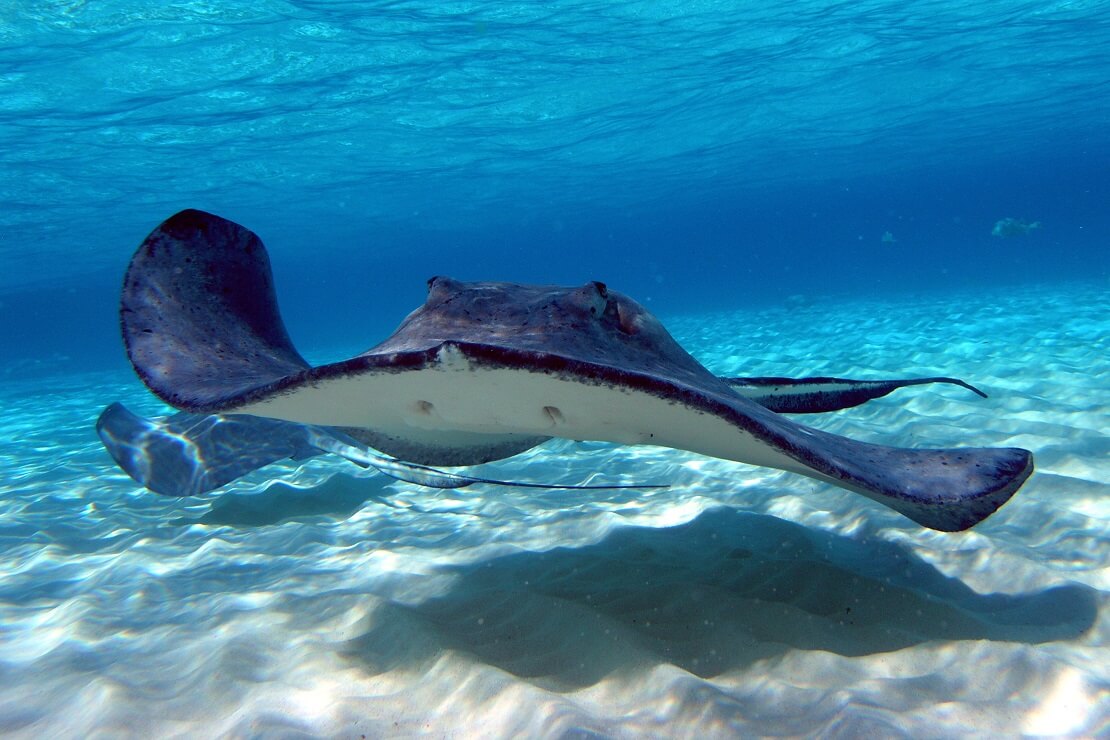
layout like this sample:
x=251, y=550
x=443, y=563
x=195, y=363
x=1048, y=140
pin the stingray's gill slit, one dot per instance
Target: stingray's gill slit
x=491, y=354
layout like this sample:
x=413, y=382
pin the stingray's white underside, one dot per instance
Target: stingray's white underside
x=455, y=403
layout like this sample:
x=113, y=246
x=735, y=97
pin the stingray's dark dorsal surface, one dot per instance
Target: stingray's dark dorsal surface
x=203, y=325
x=484, y=370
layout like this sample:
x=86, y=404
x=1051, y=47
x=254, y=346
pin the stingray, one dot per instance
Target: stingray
x=484, y=371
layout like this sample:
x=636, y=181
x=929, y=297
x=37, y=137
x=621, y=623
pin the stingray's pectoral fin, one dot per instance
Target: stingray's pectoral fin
x=816, y=395
x=199, y=316
x=948, y=489
x=190, y=454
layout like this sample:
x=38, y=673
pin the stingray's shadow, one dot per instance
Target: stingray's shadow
x=710, y=596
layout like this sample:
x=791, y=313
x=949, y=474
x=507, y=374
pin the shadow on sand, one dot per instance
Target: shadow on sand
x=710, y=596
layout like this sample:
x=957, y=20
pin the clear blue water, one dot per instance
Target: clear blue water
x=697, y=154
x=804, y=187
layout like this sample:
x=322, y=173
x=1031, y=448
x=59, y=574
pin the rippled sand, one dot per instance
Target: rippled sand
x=319, y=600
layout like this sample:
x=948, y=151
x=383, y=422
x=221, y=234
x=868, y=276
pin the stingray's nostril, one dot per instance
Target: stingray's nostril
x=424, y=407
x=554, y=414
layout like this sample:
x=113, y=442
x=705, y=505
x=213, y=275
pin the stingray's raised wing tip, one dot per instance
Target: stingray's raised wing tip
x=199, y=314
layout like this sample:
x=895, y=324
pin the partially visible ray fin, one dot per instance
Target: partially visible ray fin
x=816, y=395
x=190, y=454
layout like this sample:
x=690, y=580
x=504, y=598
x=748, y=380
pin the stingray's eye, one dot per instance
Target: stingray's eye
x=440, y=287
x=592, y=297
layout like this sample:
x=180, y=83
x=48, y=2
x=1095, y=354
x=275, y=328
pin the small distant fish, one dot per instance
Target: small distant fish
x=1008, y=227
x=888, y=238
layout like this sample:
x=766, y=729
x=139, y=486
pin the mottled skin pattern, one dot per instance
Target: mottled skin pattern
x=588, y=324
x=203, y=331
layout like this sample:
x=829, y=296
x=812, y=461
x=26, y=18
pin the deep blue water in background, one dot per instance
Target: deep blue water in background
x=691, y=154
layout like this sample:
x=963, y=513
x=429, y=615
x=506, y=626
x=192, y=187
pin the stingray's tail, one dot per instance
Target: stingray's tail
x=199, y=317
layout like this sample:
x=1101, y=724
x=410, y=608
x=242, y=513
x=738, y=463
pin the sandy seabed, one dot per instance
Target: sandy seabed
x=317, y=600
